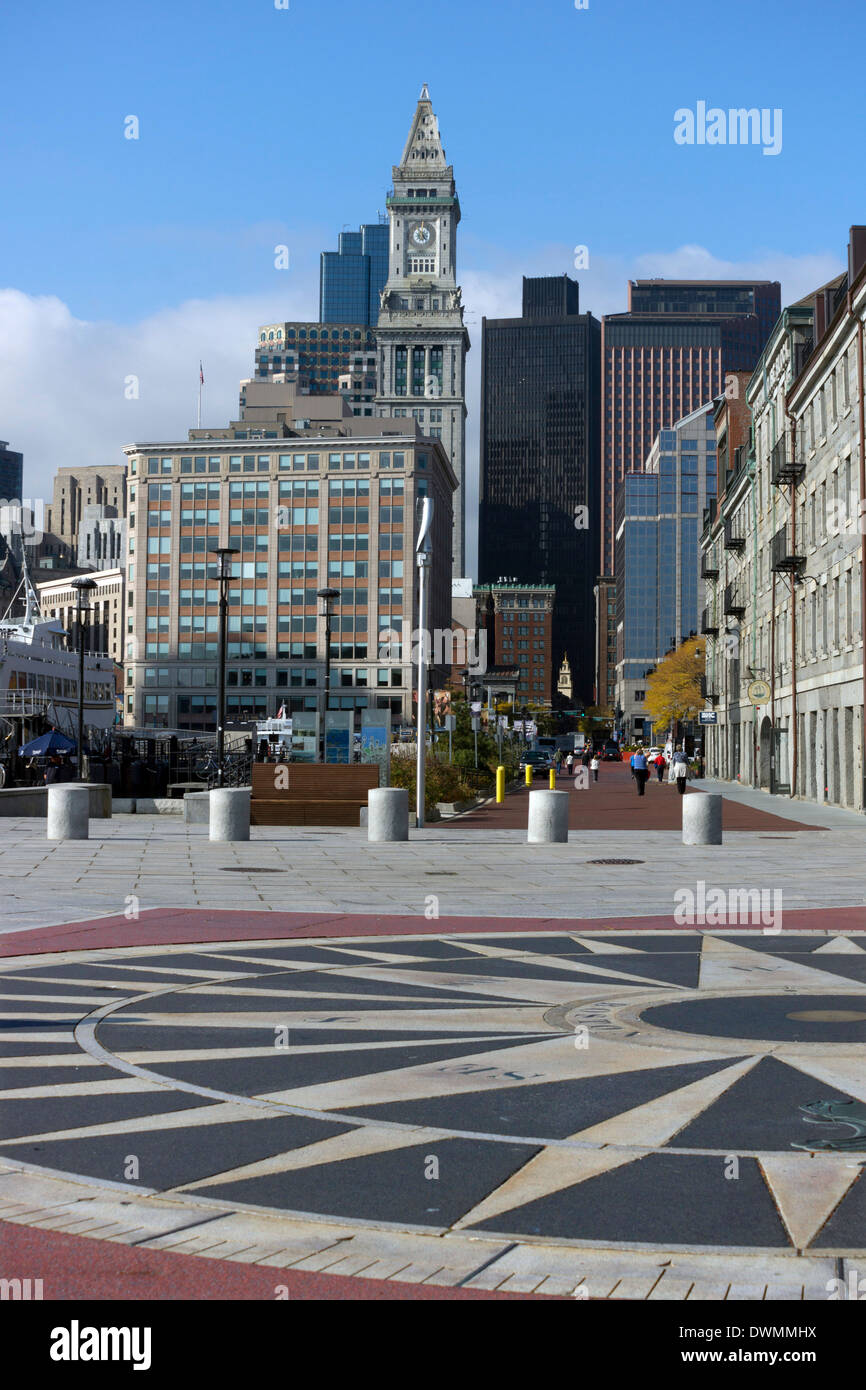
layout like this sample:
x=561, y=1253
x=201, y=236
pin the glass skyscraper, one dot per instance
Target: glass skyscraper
x=352, y=277
x=659, y=515
x=666, y=356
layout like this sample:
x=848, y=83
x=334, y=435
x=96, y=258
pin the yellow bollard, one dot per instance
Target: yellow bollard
x=529, y=774
x=500, y=785
x=553, y=779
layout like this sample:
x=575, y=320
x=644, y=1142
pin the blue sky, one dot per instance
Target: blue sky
x=260, y=126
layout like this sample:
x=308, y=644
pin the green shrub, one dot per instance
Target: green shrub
x=442, y=781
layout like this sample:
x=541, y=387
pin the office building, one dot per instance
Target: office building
x=420, y=337
x=604, y=594
x=520, y=621
x=315, y=357
x=325, y=499
x=668, y=355
x=101, y=538
x=77, y=488
x=11, y=473
x=352, y=278
x=658, y=521
x=106, y=620
x=539, y=495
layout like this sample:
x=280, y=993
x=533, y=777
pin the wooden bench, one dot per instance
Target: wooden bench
x=310, y=793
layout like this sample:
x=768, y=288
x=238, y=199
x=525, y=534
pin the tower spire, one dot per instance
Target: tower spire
x=423, y=152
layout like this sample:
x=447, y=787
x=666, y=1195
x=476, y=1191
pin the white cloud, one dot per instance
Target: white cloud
x=62, y=399
x=62, y=380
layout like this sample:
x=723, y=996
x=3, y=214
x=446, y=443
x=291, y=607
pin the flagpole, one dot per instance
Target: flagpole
x=200, y=383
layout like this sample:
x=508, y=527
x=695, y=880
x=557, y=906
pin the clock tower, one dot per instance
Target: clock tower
x=421, y=340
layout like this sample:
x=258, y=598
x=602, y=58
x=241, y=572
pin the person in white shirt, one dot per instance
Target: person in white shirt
x=593, y=767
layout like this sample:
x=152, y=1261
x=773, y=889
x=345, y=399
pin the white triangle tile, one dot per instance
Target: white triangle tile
x=839, y=946
x=727, y=965
x=659, y=1120
x=807, y=1188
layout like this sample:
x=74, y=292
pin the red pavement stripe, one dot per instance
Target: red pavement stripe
x=181, y=926
x=78, y=1268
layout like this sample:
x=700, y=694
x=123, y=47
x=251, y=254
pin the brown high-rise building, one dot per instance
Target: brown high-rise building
x=520, y=634
x=665, y=357
x=605, y=641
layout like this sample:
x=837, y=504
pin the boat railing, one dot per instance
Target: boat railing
x=26, y=703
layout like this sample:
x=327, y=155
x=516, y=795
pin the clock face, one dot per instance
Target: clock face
x=422, y=234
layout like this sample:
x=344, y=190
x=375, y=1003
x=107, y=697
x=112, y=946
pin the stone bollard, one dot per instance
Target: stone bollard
x=196, y=808
x=100, y=800
x=702, y=819
x=68, y=812
x=548, y=818
x=230, y=813
x=388, y=813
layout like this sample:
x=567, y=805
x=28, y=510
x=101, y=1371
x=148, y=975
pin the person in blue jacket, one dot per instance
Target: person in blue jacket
x=640, y=769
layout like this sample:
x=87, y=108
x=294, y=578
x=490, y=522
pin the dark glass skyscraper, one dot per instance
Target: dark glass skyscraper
x=540, y=407
x=11, y=473
x=352, y=277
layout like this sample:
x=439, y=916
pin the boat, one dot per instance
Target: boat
x=39, y=680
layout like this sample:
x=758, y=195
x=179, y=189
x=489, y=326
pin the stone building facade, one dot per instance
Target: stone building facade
x=783, y=560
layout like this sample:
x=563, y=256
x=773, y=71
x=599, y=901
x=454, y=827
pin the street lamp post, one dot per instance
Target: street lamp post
x=423, y=553
x=471, y=692
x=224, y=554
x=328, y=597
x=83, y=589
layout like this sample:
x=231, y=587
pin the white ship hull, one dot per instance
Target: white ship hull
x=39, y=678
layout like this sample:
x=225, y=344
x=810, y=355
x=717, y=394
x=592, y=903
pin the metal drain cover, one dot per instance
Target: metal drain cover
x=616, y=861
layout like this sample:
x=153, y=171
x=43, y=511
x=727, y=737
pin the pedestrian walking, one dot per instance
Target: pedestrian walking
x=593, y=767
x=640, y=771
x=587, y=757
x=681, y=772
x=660, y=767
x=569, y=762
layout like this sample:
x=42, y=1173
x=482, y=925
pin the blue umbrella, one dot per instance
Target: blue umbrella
x=47, y=743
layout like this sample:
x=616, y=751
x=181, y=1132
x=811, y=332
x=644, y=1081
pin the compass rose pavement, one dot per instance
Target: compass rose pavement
x=638, y=1113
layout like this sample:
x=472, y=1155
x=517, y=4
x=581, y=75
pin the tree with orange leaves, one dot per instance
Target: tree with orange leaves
x=673, y=691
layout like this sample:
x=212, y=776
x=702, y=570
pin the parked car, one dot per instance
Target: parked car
x=540, y=761
x=654, y=752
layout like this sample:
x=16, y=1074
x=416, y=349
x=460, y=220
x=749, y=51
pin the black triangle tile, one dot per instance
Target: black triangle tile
x=761, y=1110
x=547, y=1110
x=663, y=1199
